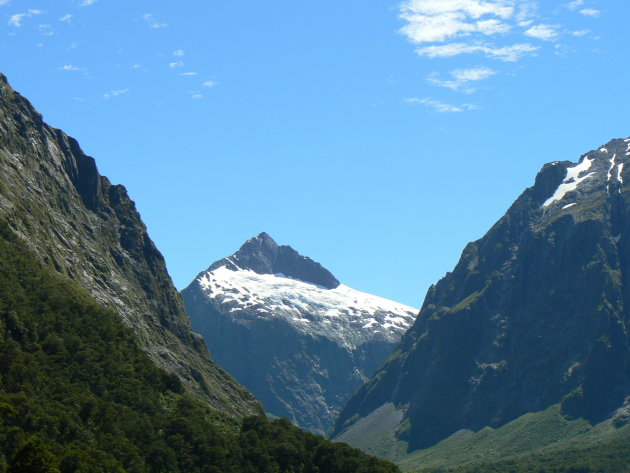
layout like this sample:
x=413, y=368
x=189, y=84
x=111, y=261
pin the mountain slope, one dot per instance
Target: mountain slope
x=84, y=227
x=289, y=331
x=534, y=314
x=78, y=394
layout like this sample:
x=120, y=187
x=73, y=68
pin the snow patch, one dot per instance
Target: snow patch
x=568, y=206
x=619, y=171
x=617, y=238
x=604, y=150
x=343, y=314
x=612, y=165
x=571, y=181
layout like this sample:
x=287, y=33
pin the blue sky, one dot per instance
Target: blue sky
x=377, y=137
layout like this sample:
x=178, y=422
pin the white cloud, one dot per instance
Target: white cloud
x=178, y=53
x=590, y=12
x=46, y=30
x=189, y=74
x=196, y=96
x=462, y=78
x=4, y=2
x=176, y=64
x=442, y=20
x=210, y=83
x=543, y=32
x=115, y=93
x=447, y=28
x=440, y=106
x=70, y=67
x=506, y=53
x=16, y=20
x=152, y=22
x=576, y=4
x=580, y=33
x=66, y=18
x=87, y=3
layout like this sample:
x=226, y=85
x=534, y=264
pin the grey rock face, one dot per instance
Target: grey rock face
x=264, y=256
x=290, y=332
x=535, y=313
x=84, y=227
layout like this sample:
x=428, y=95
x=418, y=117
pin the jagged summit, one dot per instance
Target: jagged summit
x=263, y=255
x=287, y=329
x=598, y=173
x=84, y=227
x=546, y=290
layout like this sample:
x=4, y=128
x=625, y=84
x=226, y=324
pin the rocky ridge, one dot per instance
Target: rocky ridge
x=534, y=314
x=289, y=331
x=84, y=227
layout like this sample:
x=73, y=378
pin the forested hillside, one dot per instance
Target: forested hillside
x=77, y=394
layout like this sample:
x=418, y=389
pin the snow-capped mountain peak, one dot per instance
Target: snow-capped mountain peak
x=286, y=328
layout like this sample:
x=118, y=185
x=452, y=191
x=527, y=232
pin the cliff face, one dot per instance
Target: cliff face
x=535, y=313
x=289, y=331
x=84, y=227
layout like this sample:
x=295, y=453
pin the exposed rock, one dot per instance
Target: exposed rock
x=535, y=313
x=84, y=227
x=290, y=332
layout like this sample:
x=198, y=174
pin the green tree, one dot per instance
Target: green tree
x=34, y=456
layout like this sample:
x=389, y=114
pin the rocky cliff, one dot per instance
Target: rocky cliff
x=84, y=227
x=535, y=313
x=289, y=331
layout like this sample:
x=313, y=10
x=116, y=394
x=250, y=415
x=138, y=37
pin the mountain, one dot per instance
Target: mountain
x=534, y=315
x=99, y=369
x=78, y=394
x=89, y=230
x=289, y=331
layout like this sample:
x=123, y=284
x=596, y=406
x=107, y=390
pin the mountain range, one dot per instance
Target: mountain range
x=519, y=359
x=288, y=330
x=533, y=317
x=100, y=370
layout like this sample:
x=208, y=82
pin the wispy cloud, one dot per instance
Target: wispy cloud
x=46, y=30
x=210, y=83
x=176, y=64
x=16, y=20
x=441, y=107
x=179, y=53
x=115, y=93
x=188, y=74
x=66, y=18
x=87, y=3
x=590, y=12
x=447, y=28
x=441, y=20
x=544, y=32
x=462, y=78
x=575, y=4
x=506, y=53
x=196, y=96
x=4, y=2
x=152, y=22
x=70, y=67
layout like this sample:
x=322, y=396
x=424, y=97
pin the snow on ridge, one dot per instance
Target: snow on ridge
x=612, y=165
x=571, y=181
x=344, y=314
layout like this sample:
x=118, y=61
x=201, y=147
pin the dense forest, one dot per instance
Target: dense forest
x=77, y=394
